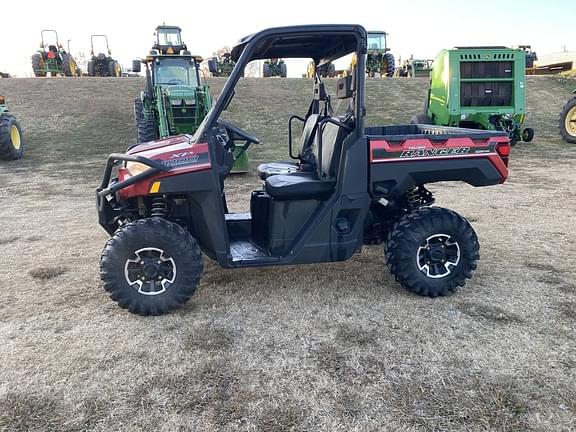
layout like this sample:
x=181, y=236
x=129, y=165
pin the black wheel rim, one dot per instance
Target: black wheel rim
x=150, y=271
x=438, y=256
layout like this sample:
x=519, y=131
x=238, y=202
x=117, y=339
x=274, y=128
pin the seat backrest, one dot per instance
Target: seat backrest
x=332, y=137
x=306, y=153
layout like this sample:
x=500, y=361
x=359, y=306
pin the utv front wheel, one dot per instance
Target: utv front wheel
x=151, y=266
x=432, y=251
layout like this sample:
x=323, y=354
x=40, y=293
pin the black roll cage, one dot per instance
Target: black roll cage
x=274, y=43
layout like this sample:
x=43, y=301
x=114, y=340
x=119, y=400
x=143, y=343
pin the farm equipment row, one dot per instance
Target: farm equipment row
x=52, y=59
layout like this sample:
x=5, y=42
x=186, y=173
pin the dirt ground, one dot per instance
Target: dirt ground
x=331, y=347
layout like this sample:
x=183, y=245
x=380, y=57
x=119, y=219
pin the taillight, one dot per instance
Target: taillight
x=503, y=150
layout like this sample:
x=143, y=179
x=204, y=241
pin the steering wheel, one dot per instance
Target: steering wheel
x=176, y=82
x=237, y=134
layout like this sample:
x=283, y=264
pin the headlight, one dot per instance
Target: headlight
x=134, y=168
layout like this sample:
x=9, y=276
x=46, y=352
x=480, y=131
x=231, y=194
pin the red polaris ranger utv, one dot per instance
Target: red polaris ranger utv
x=348, y=185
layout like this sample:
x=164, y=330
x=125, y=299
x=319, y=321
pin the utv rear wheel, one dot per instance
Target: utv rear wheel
x=11, y=142
x=432, y=251
x=568, y=121
x=151, y=266
x=146, y=127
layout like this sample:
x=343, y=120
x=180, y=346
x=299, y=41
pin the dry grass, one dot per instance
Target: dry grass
x=334, y=347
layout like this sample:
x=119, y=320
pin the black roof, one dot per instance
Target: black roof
x=320, y=42
x=168, y=27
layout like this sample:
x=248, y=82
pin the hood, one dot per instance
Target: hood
x=179, y=92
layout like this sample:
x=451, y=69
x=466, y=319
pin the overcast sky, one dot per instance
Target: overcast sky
x=418, y=27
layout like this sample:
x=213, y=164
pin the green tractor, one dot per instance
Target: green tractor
x=51, y=59
x=176, y=99
x=415, y=68
x=11, y=141
x=102, y=64
x=478, y=88
x=274, y=67
x=379, y=61
x=568, y=121
x=221, y=66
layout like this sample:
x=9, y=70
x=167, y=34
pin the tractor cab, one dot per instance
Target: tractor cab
x=175, y=99
x=377, y=42
x=169, y=40
x=379, y=62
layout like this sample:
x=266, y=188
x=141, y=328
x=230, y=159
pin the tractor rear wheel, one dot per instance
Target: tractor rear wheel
x=568, y=121
x=11, y=142
x=113, y=69
x=283, y=70
x=432, y=251
x=91, y=68
x=146, y=127
x=151, y=266
x=38, y=65
x=69, y=65
x=388, y=65
x=266, y=70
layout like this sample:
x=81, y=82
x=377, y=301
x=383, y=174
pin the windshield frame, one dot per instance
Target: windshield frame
x=188, y=63
x=168, y=31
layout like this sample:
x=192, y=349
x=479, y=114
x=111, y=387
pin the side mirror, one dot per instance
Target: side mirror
x=213, y=65
x=136, y=66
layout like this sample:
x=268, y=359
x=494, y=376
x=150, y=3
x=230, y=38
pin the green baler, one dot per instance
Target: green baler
x=478, y=87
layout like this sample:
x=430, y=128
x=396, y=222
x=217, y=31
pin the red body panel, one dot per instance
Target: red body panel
x=179, y=152
x=418, y=149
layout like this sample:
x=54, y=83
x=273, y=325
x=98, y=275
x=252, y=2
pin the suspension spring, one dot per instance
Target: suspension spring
x=159, y=207
x=413, y=199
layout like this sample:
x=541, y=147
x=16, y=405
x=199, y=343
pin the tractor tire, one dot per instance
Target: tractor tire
x=389, y=65
x=266, y=70
x=331, y=70
x=69, y=65
x=113, y=69
x=11, y=142
x=91, y=68
x=283, y=70
x=421, y=119
x=568, y=121
x=146, y=127
x=38, y=65
x=432, y=251
x=151, y=266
